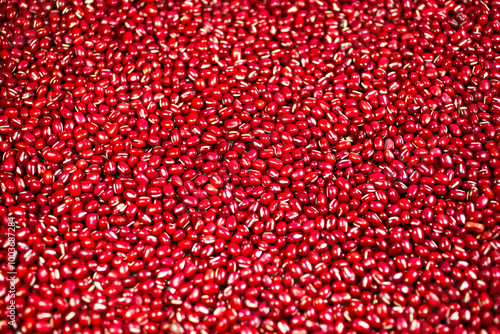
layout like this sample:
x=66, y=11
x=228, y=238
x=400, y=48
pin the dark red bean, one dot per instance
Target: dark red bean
x=288, y=167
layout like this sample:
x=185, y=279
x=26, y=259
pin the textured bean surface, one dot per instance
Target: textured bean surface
x=249, y=167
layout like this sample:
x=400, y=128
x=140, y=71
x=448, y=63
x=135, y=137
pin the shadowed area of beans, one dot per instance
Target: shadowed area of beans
x=249, y=167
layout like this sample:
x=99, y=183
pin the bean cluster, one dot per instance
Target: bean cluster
x=277, y=166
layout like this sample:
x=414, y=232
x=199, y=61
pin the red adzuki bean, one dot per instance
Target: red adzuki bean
x=250, y=167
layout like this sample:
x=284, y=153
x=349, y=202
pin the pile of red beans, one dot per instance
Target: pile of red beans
x=250, y=167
